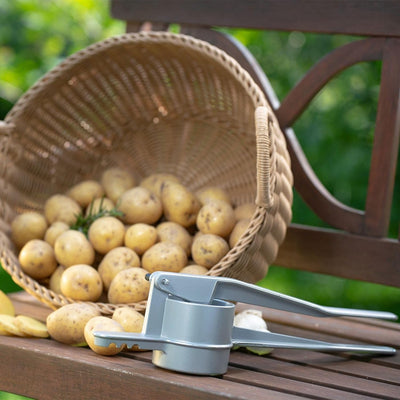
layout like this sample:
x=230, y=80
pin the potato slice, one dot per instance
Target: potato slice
x=6, y=306
x=31, y=326
x=7, y=324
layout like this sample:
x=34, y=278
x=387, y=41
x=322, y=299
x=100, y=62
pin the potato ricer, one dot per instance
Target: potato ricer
x=189, y=323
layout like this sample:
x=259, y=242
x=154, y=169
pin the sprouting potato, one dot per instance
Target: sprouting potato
x=130, y=319
x=67, y=324
x=101, y=203
x=208, y=193
x=54, y=231
x=238, y=230
x=244, y=211
x=106, y=233
x=102, y=323
x=28, y=226
x=116, y=181
x=55, y=278
x=155, y=182
x=115, y=261
x=216, y=217
x=140, y=237
x=129, y=286
x=208, y=249
x=72, y=247
x=164, y=256
x=62, y=208
x=84, y=192
x=81, y=282
x=180, y=204
x=37, y=259
x=169, y=231
x=194, y=269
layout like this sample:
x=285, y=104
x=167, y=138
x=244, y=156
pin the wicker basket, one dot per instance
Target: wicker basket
x=151, y=102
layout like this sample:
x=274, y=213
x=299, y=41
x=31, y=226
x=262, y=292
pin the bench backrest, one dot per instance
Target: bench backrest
x=357, y=245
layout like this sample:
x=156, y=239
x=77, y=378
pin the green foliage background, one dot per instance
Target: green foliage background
x=336, y=131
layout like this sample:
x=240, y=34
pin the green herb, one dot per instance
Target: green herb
x=83, y=222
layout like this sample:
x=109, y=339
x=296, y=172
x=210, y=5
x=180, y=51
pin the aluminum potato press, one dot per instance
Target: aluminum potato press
x=189, y=323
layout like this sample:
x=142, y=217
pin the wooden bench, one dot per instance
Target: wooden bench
x=355, y=247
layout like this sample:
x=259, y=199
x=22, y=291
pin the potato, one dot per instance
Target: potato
x=130, y=319
x=106, y=233
x=115, y=261
x=62, y=208
x=164, y=256
x=8, y=327
x=72, y=247
x=129, y=286
x=54, y=231
x=116, y=181
x=208, y=249
x=140, y=237
x=81, y=282
x=194, y=269
x=84, y=192
x=245, y=211
x=6, y=305
x=238, y=230
x=102, y=203
x=31, y=326
x=155, y=182
x=28, y=226
x=180, y=204
x=216, y=217
x=67, y=324
x=139, y=205
x=172, y=232
x=37, y=259
x=55, y=278
x=208, y=193
x=102, y=323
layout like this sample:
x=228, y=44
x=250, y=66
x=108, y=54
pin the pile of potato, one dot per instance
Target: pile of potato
x=97, y=241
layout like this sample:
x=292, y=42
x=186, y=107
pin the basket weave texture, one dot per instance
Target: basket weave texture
x=149, y=102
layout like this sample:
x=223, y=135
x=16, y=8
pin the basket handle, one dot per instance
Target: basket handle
x=263, y=124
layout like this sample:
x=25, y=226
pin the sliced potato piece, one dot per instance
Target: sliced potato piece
x=31, y=326
x=7, y=324
x=6, y=306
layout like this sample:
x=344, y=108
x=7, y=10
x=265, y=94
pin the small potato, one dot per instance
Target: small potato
x=102, y=323
x=155, y=182
x=106, y=233
x=81, y=282
x=62, y=208
x=172, y=232
x=6, y=305
x=238, y=230
x=129, y=286
x=67, y=324
x=164, y=256
x=37, y=259
x=54, y=231
x=194, y=269
x=55, y=278
x=102, y=203
x=245, y=211
x=130, y=319
x=72, y=247
x=139, y=205
x=180, y=204
x=28, y=226
x=216, y=217
x=31, y=326
x=115, y=261
x=212, y=193
x=208, y=249
x=116, y=181
x=84, y=192
x=140, y=237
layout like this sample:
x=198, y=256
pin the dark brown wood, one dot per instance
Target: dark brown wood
x=357, y=17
